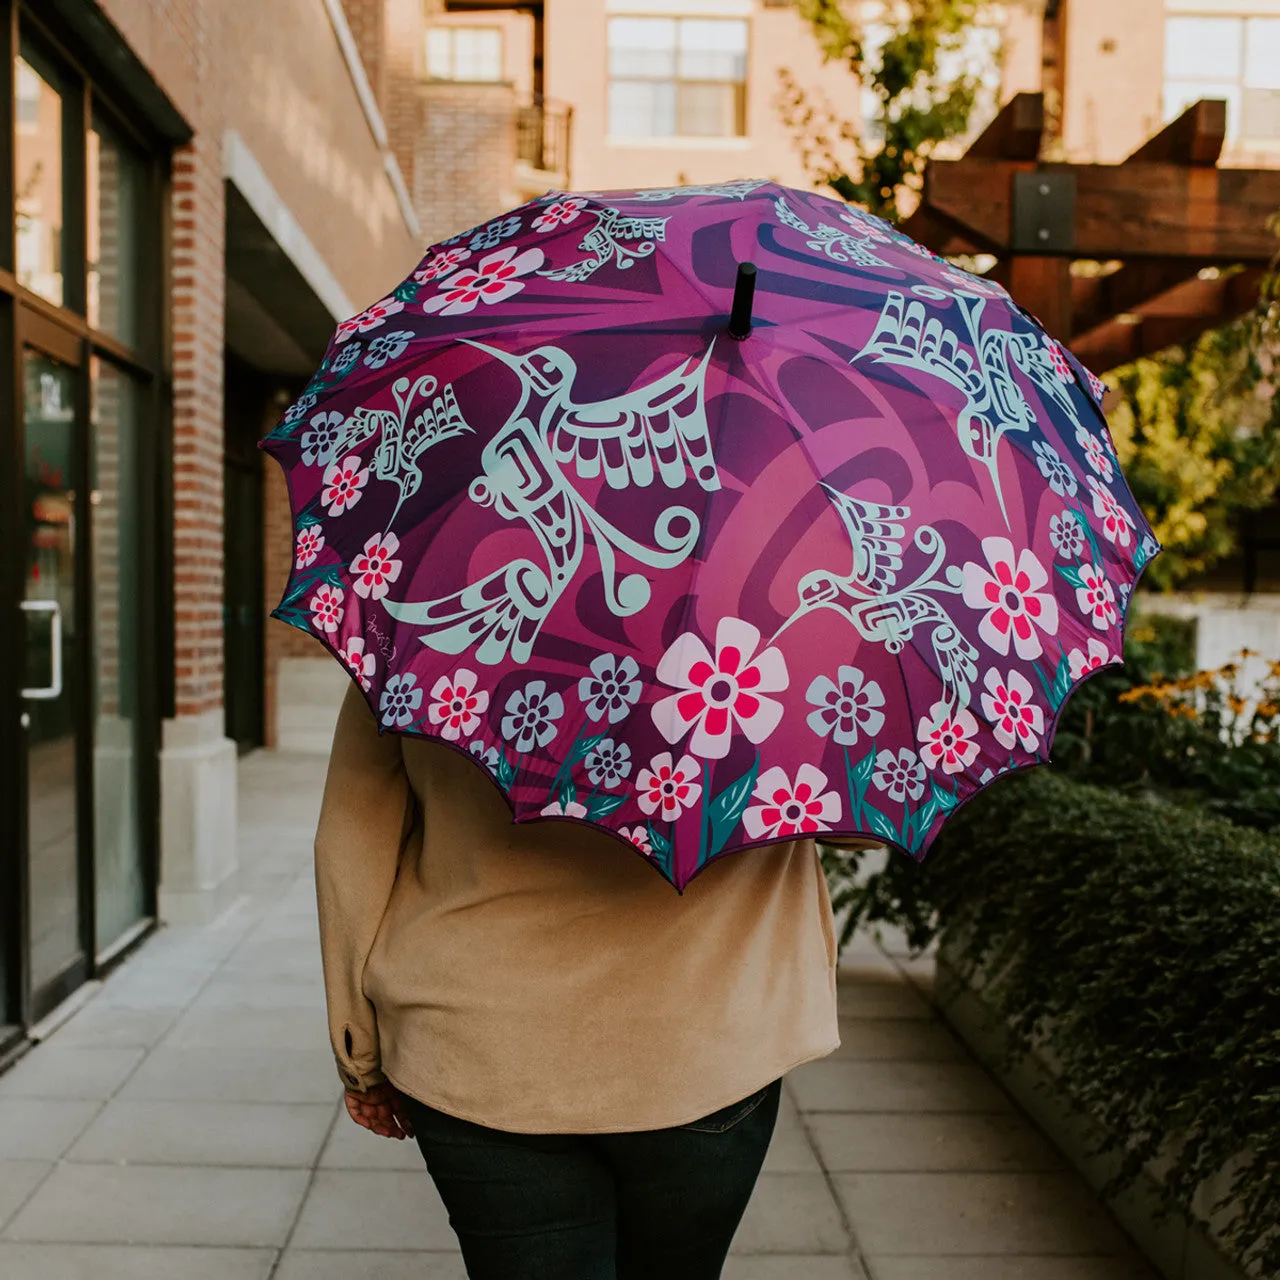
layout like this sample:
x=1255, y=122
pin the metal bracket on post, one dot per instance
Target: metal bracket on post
x=1044, y=213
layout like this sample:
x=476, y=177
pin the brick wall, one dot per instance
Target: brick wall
x=367, y=20
x=464, y=161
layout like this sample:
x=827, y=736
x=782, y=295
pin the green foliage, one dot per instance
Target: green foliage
x=1138, y=942
x=919, y=104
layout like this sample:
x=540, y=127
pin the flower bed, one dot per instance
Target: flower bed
x=1136, y=943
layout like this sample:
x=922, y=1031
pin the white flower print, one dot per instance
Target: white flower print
x=865, y=225
x=441, y=264
x=639, y=837
x=572, y=809
x=345, y=358
x=344, y=483
x=327, y=608
x=1067, y=535
x=492, y=235
x=847, y=707
x=1081, y=663
x=309, y=545
x=612, y=688
x=531, y=715
x=788, y=809
x=387, y=346
x=495, y=279
x=401, y=697
x=1017, y=610
x=1117, y=525
x=299, y=408
x=1096, y=598
x=488, y=756
x=668, y=789
x=457, y=705
x=900, y=776
x=1096, y=453
x=370, y=318
x=608, y=763
x=717, y=693
x=1008, y=706
x=374, y=569
x=361, y=664
x=948, y=738
x=1062, y=480
x=319, y=440
x=559, y=214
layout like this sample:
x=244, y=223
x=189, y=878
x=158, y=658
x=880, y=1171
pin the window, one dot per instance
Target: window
x=1234, y=58
x=677, y=77
x=464, y=53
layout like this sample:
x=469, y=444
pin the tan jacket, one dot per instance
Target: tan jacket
x=541, y=977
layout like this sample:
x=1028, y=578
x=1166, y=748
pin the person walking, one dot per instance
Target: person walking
x=591, y=1064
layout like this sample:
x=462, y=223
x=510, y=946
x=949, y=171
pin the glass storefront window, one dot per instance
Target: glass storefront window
x=114, y=505
x=38, y=126
x=114, y=189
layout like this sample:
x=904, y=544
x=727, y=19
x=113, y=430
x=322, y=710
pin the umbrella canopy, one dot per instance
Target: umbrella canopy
x=707, y=591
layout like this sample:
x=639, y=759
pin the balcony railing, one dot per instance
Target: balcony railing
x=542, y=137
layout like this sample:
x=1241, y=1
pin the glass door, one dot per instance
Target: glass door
x=55, y=934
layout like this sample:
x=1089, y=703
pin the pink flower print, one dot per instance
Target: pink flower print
x=457, y=705
x=948, y=738
x=344, y=483
x=378, y=314
x=870, y=228
x=347, y=328
x=374, y=570
x=327, y=608
x=790, y=810
x=1082, y=664
x=1009, y=709
x=1096, y=598
x=1058, y=359
x=639, y=837
x=668, y=789
x=1117, y=526
x=1017, y=610
x=1096, y=385
x=441, y=264
x=308, y=546
x=718, y=692
x=1096, y=453
x=361, y=664
x=559, y=214
x=572, y=809
x=494, y=280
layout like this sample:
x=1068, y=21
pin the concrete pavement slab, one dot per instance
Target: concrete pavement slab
x=792, y=1213
x=790, y=1151
x=877, y=996
x=351, y=1147
x=374, y=1209
x=55, y=1070
x=132, y=1262
x=150, y=1204
x=832, y=1085
x=1020, y=1268
x=897, y=1040
x=18, y=1179
x=368, y=1264
x=206, y=1026
x=792, y=1267
x=929, y=1143
x=276, y=1135
x=42, y=1129
x=234, y=1075
x=110, y=1026
x=976, y=1213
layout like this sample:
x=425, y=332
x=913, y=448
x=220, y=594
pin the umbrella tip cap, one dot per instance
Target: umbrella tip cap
x=744, y=291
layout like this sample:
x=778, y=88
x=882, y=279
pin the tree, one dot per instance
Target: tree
x=1198, y=436
x=916, y=73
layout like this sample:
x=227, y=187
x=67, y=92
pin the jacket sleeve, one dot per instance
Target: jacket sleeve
x=365, y=818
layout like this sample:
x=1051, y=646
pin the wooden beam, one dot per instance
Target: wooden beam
x=1043, y=287
x=1099, y=300
x=926, y=228
x=1196, y=137
x=1126, y=211
x=1016, y=133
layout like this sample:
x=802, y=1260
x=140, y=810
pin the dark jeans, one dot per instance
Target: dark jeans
x=659, y=1205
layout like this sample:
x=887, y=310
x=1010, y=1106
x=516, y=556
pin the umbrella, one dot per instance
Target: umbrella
x=710, y=516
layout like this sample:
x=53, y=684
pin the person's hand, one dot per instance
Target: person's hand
x=381, y=1110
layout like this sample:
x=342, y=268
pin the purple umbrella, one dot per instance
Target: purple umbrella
x=830, y=565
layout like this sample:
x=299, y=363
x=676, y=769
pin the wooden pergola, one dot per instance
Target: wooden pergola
x=1118, y=260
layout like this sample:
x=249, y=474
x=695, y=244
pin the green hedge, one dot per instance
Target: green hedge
x=1140, y=943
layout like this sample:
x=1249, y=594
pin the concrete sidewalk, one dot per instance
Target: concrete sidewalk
x=185, y=1125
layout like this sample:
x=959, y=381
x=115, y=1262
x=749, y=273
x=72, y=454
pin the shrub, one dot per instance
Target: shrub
x=1139, y=942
